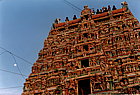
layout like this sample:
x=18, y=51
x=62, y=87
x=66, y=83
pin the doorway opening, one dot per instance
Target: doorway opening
x=84, y=87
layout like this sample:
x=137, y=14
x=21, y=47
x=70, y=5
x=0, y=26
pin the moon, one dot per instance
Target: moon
x=15, y=65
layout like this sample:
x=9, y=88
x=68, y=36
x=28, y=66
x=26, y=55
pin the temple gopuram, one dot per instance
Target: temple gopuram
x=95, y=54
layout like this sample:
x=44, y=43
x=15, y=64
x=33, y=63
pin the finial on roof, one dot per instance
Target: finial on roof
x=100, y=11
x=67, y=19
x=114, y=8
x=109, y=8
x=57, y=20
x=97, y=12
x=86, y=11
x=86, y=7
x=103, y=8
x=125, y=5
x=93, y=10
x=74, y=17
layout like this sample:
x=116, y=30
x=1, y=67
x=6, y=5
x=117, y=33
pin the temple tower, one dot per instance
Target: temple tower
x=96, y=53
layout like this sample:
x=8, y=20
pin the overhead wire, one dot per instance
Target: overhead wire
x=12, y=72
x=2, y=52
x=72, y=5
x=17, y=66
x=12, y=87
x=20, y=73
x=16, y=55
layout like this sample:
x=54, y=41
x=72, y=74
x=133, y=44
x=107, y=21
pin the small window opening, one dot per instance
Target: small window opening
x=95, y=36
x=53, y=53
x=78, y=50
x=116, y=16
x=86, y=16
x=92, y=48
x=125, y=38
x=85, y=63
x=42, y=67
x=85, y=47
x=131, y=57
x=137, y=87
x=57, y=92
x=92, y=35
x=37, y=94
x=62, y=63
x=55, y=71
x=72, y=27
x=109, y=41
x=85, y=35
x=85, y=25
x=61, y=29
x=123, y=26
x=136, y=35
x=116, y=38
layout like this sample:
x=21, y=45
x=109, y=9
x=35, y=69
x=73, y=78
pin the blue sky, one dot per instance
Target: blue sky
x=24, y=25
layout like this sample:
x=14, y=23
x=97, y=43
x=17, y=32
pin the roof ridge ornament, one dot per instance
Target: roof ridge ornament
x=125, y=5
x=86, y=11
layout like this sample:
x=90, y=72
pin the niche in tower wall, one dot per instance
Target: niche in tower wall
x=85, y=47
x=85, y=35
x=84, y=63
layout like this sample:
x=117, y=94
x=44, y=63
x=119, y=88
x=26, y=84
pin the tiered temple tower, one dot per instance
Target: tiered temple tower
x=96, y=53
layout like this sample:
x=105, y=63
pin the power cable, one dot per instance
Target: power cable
x=16, y=56
x=3, y=52
x=72, y=5
x=12, y=72
x=17, y=65
x=13, y=56
x=12, y=87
